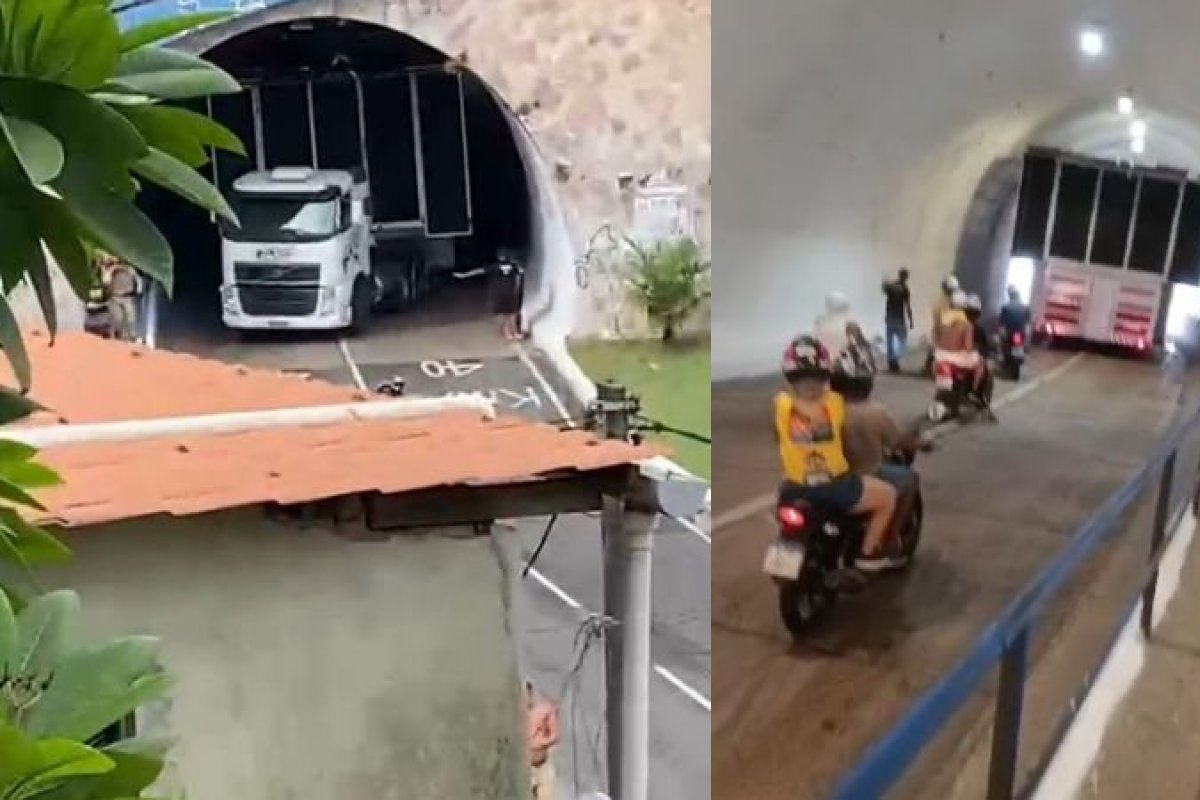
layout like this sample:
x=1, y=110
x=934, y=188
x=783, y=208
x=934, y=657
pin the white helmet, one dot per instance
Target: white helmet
x=949, y=284
x=958, y=299
x=974, y=303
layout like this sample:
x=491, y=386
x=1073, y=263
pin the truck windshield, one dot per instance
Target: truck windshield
x=283, y=219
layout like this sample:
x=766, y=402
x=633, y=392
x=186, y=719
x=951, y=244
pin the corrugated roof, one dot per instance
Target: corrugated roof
x=85, y=379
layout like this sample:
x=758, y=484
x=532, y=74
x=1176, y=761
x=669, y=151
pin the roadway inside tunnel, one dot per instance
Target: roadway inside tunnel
x=324, y=92
x=1000, y=501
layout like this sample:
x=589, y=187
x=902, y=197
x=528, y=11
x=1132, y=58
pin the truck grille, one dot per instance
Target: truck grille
x=278, y=301
x=252, y=272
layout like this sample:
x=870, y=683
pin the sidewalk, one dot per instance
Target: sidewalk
x=1150, y=747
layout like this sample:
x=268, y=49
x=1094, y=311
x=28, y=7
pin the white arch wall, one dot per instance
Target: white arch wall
x=853, y=137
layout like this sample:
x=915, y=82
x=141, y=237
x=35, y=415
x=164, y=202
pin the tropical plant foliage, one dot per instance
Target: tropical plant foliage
x=670, y=280
x=84, y=121
x=82, y=124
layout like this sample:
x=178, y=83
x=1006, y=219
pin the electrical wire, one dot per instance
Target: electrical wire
x=654, y=426
x=537, y=551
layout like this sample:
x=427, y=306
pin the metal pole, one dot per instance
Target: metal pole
x=1006, y=729
x=628, y=545
x=260, y=139
x=1157, y=534
x=1133, y=218
x=1091, y=234
x=1174, y=240
x=1053, y=213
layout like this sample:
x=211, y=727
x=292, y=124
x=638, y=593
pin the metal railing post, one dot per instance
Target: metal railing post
x=1161, y=508
x=1006, y=730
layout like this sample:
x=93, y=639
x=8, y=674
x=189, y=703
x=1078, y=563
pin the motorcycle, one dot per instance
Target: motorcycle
x=1012, y=354
x=815, y=552
x=954, y=392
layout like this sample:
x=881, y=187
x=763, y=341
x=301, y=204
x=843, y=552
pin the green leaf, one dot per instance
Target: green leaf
x=31, y=544
x=44, y=631
x=8, y=629
x=14, y=452
x=29, y=767
x=171, y=173
x=30, y=475
x=38, y=151
x=134, y=772
x=117, y=225
x=171, y=75
x=182, y=133
x=97, y=686
x=39, y=278
x=15, y=406
x=60, y=234
x=92, y=134
x=81, y=50
x=13, y=345
x=162, y=29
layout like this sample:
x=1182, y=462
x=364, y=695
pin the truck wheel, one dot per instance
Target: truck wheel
x=360, y=306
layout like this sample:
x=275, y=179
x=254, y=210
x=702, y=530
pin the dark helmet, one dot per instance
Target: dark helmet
x=854, y=371
x=806, y=358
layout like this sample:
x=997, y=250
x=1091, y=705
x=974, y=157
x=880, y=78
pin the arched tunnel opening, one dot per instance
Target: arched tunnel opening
x=1097, y=232
x=449, y=192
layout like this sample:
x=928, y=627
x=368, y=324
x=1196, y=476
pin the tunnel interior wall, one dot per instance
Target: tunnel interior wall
x=847, y=168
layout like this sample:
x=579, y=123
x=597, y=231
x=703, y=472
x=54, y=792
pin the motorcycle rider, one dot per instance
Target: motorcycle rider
x=941, y=304
x=872, y=433
x=809, y=430
x=832, y=327
x=1014, y=317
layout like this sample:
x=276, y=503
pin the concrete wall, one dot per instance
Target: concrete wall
x=854, y=137
x=600, y=89
x=312, y=668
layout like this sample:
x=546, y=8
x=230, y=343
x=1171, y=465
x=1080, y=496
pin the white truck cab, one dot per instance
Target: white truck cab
x=301, y=257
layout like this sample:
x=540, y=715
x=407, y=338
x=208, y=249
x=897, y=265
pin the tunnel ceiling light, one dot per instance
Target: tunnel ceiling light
x=1137, y=146
x=1125, y=105
x=1091, y=42
x=1137, y=129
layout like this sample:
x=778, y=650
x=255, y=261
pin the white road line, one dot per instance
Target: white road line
x=764, y=502
x=693, y=528
x=688, y=691
x=553, y=589
x=692, y=694
x=355, y=372
x=555, y=400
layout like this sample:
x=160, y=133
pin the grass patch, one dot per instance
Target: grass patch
x=674, y=382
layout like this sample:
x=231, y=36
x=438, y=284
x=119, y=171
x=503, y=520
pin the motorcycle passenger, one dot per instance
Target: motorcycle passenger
x=809, y=430
x=983, y=345
x=832, y=327
x=871, y=435
x=955, y=343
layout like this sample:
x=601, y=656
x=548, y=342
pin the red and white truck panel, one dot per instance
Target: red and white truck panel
x=1098, y=304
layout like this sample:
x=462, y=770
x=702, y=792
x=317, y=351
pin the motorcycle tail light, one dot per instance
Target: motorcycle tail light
x=791, y=518
x=1018, y=339
x=944, y=370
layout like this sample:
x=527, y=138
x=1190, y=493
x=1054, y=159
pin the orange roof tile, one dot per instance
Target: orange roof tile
x=85, y=379
x=82, y=378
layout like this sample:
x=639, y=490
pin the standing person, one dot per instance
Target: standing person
x=542, y=719
x=508, y=286
x=898, y=318
x=124, y=288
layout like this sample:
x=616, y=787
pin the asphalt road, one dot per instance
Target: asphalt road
x=434, y=357
x=1000, y=501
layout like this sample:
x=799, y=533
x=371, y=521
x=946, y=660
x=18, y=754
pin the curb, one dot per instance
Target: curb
x=584, y=391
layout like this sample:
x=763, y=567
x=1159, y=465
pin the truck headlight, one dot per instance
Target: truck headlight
x=229, y=299
x=328, y=299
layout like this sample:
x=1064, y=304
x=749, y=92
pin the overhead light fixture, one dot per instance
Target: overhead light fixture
x=1091, y=42
x=1125, y=105
x=1137, y=146
x=1137, y=129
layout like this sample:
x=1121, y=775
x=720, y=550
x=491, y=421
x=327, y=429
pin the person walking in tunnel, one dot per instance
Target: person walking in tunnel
x=508, y=288
x=898, y=318
x=809, y=427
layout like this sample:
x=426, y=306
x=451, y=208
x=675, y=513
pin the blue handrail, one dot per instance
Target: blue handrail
x=886, y=762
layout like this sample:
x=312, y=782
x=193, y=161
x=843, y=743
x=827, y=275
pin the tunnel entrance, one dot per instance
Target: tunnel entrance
x=448, y=191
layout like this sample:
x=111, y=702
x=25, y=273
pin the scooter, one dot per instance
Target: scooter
x=813, y=555
x=954, y=393
x=1012, y=354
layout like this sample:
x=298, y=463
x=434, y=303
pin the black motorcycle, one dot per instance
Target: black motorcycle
x=812, y=559
x=1012, y=353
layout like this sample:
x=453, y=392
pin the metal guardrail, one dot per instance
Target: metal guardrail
x=1006, y=642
